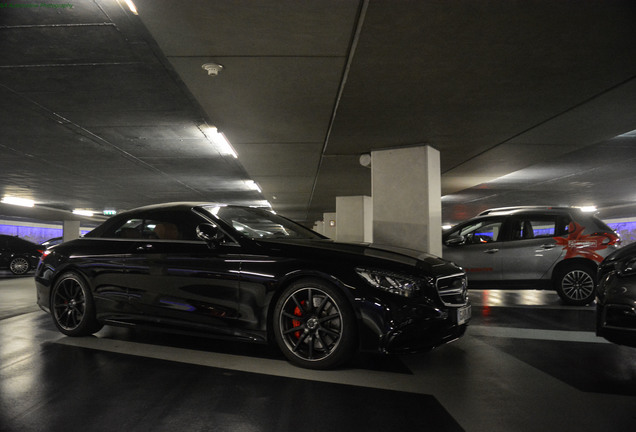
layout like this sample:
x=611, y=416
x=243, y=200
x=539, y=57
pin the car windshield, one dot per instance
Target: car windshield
x=260, y=224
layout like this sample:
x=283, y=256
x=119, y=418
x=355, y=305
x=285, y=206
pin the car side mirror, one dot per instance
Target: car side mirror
x=455, y=241
x=209, y=233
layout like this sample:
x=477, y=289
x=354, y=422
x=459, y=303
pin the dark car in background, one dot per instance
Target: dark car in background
x=533, y=247
x=251, y=275
x=616, y=297
x=18, y=255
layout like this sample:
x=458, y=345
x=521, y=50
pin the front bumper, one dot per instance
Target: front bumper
x=617, y=323
x=409, y=327
x=616, y=309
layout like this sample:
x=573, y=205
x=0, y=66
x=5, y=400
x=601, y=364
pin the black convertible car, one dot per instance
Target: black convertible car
x=616, y=297
x=248, y=274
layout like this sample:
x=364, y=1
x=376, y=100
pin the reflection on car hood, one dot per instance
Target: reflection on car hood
x=625, y=251
x=411, y=257
x=391, y=252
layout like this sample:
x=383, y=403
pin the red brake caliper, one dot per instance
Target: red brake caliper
x=296, y=323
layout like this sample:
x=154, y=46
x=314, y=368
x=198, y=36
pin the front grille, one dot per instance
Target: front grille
x=453, y=289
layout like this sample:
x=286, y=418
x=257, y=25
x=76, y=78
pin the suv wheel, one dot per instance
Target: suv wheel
x=576, y=285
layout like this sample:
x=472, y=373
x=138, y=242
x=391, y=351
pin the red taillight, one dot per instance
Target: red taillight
x=611, y=239
x=40, y=251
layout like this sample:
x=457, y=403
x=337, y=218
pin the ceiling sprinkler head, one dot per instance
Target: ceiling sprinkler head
x=212, y=68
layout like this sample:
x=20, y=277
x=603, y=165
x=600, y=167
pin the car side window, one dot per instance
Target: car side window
x=543, y=228
x=477, y=233
x=563, y=229
x=131, y=229
x=534, y=227
x=172, y=225
x=159, y=226
x=160, y=230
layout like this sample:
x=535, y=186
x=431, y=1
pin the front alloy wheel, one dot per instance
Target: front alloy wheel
x=314, y=325
x=576, y=286
x=72, y=306
x=19, y=266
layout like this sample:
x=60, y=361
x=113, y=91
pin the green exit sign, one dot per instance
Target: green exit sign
x=110, y=212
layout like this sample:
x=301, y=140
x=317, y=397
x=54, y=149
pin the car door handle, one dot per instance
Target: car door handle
x=491, y=251
x=143, y=248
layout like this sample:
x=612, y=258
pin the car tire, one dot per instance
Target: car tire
x=314, y=325
x=576, y=284
x=19, y=266
x=72, y=306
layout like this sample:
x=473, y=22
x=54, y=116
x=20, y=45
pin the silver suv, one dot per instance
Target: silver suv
x=532, y=247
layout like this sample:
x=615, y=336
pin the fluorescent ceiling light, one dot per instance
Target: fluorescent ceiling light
x=24, y=202
x=131, y=6
x=222, y=144
x=588, y=209
x=80, y=212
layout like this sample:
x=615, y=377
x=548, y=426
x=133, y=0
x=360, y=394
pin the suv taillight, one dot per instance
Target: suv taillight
x=611, y=239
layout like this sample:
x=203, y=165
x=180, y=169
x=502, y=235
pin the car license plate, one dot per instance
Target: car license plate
x=463, y=314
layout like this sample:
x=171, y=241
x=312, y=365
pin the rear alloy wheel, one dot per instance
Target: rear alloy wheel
x=19, y=265
x=314, y=325
x=72, y=306
x=576, y=286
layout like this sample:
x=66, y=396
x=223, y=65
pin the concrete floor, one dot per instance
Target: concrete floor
x=526, y=364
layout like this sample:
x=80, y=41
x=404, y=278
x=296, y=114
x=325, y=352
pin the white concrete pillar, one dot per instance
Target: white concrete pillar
x=71, y=229
x=354, y=219
x=330, y=225
x=319, y=227
x=407, y=202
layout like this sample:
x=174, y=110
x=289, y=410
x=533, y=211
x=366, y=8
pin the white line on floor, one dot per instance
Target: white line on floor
x=523, y=333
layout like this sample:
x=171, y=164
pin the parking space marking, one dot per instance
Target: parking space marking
x=524, y=333
x=355, y=377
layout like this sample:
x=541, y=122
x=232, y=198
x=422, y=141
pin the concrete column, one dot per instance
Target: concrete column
x=407, y=203
x=330, y=225
x=354, y=219
x=71, y=229
x=319, y=227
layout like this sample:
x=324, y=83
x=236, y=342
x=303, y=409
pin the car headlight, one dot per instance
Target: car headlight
x=391, y=282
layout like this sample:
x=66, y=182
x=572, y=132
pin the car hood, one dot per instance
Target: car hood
x=619, y=254
x=411, y=257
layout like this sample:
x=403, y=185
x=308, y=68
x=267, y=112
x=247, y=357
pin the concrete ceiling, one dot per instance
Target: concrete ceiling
x=528, y=101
